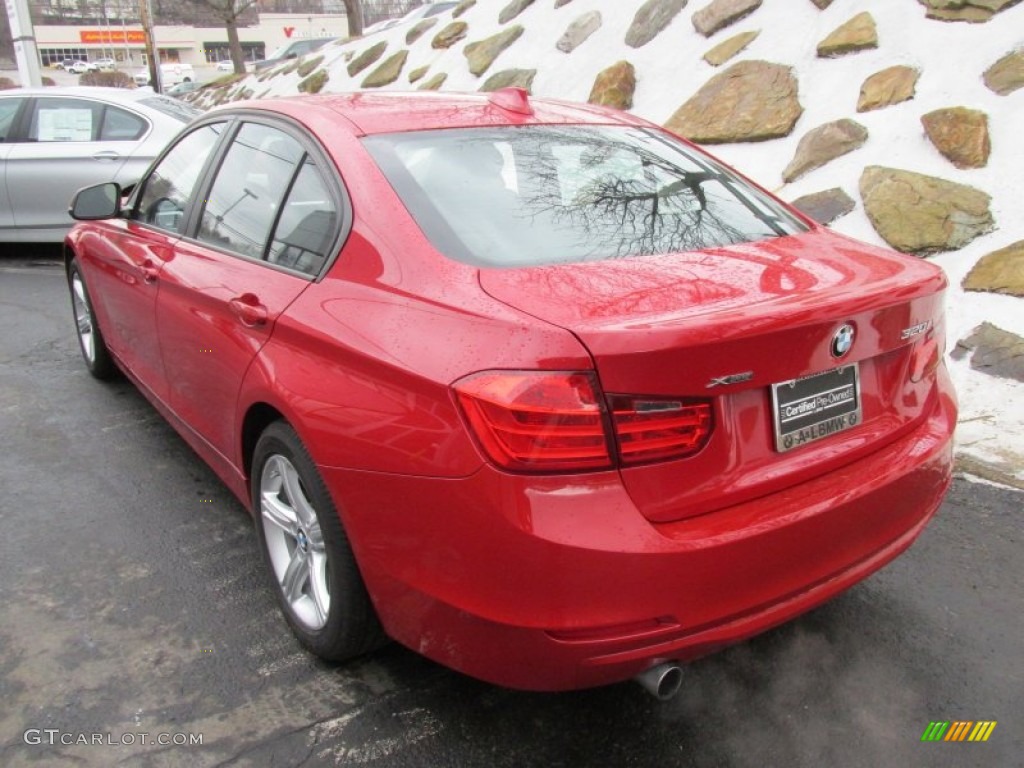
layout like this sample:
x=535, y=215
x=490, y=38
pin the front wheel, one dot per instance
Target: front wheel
x=90, y=339
x=314, y=572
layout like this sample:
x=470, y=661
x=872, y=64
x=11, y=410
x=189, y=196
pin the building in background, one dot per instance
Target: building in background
x=184, y=31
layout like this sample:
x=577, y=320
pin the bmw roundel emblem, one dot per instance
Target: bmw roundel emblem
x=842, y=341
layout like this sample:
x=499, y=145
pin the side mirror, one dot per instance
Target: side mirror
x=102, y=201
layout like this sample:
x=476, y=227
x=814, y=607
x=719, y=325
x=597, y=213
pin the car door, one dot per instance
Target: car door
x=69, y=143
x=9, y=109
x=123, y=267
x=227, y=285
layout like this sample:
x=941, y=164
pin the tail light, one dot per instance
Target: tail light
x=656, y=429
x=546, y=421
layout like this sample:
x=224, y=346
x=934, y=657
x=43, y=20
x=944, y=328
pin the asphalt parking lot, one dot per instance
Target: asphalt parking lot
x=132, y=601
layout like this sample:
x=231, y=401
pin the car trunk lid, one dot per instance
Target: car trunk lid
x=727, y=324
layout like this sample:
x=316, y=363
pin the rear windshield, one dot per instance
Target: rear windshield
x=535, y=195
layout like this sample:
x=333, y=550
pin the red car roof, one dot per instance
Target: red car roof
x=372, y=113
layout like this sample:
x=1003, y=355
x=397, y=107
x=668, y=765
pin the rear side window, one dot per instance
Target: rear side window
x=308, y=223
x=534, y=195
x=120, y=125
x=167, y=190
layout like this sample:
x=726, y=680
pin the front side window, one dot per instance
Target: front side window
x=83, y=120
x=246, y=195
x=65, y=120
x=167, y=190
x=534, y=195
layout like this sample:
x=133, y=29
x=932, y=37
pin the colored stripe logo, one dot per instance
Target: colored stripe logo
x=958, y=730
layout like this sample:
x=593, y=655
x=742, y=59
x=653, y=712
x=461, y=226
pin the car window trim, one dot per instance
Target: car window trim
x=333, y=182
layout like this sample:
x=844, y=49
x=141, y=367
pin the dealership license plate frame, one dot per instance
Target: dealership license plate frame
x=815, y=407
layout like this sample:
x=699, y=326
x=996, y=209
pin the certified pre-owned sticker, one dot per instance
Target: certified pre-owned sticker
x=815, y=407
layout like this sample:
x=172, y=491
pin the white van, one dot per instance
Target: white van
x=171, y=73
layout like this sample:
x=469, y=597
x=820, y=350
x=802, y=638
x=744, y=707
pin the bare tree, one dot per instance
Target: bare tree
x=230, y=12
x=354, y=12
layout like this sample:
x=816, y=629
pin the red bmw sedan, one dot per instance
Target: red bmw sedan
x=539, y=390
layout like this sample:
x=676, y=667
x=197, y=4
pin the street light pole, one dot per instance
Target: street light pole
x=24, y=38
x=146, y=16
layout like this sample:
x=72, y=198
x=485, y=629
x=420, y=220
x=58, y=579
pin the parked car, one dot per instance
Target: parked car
x=65, y=63
x=543, y=392
x=56, y=140
x=81, y=67
x=226, y=65
x=292, y=50
x=105, y=64
x=424, y=11
x=182, y=88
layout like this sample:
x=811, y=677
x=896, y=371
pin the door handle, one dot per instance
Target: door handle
x=106, y=154
x=248, y=309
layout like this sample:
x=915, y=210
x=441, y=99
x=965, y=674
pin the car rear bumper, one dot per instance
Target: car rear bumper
x=553, y=583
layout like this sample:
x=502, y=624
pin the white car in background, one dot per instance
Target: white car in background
x=57, y=140
x=81, y=67
x=106, y=64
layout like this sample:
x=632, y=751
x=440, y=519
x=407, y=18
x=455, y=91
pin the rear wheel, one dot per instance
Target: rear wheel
x=90, y=338
x=314, y=572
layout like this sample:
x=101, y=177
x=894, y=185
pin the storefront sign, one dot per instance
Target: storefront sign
x=111, y=36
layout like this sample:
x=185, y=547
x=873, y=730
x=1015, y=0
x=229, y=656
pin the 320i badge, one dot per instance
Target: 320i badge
x=540, y=391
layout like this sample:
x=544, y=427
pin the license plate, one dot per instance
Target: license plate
x=815, y=407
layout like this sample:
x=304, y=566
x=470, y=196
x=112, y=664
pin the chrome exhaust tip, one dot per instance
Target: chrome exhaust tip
x=663, y=681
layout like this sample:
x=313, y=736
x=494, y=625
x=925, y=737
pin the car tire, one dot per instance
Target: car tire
x=307, y=553
x=87, y=330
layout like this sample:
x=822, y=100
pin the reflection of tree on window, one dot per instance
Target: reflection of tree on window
x=581, y=193
x=634, y=199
